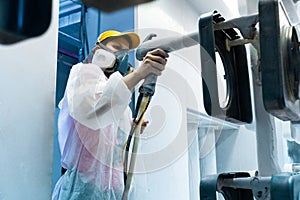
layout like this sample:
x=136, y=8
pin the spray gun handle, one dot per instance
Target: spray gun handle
x=148, y=87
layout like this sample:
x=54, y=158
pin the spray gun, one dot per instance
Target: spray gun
x=168, y=45
x=146, y=92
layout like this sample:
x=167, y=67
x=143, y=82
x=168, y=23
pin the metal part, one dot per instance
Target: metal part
x=237, y=186
x=245, y=24
x=260, y=186
x=266, y=139
x=285, y=186
x=295, y=135
x=20, y=20
x=215, y=183
x=237, y=42
x=292, y=55
x=238, y=107
x=279, y=46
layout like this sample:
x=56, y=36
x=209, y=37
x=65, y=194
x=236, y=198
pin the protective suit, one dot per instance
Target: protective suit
x=93, y=124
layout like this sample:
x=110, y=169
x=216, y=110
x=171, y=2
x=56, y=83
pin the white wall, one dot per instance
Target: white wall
x=27, y=94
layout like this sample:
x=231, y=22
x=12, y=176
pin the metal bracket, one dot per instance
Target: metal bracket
x=245, y=24
x=214, y=31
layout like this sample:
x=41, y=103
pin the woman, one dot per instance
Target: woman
x=95, y=118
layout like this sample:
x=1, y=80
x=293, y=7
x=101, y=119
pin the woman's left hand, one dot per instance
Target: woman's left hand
x=144, y=125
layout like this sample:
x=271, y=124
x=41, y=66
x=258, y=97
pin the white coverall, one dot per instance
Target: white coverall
x=93, y=124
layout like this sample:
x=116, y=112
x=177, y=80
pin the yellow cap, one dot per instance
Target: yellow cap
x=135, y=39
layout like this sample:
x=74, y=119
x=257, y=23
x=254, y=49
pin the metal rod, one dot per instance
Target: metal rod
x=247, y=183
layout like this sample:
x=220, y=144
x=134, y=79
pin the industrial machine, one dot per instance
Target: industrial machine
x=274, y=33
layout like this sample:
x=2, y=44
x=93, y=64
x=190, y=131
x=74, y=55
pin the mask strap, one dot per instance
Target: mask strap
x=103, y=47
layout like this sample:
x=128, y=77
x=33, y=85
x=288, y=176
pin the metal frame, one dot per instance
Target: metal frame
x=215, y=35
x=278, y=46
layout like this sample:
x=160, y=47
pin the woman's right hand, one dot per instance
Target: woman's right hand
x=153, y=63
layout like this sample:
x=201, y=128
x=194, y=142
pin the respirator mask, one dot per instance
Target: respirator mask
x=109, y=61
